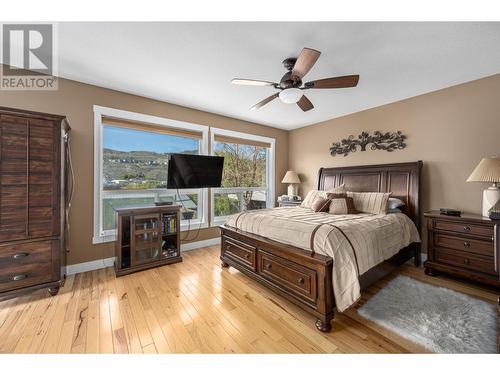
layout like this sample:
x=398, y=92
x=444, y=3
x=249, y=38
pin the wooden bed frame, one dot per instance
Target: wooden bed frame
x=305, y=278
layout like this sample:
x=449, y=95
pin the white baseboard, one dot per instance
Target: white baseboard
x=90, y=266
x=109, y=262
x=198, y=244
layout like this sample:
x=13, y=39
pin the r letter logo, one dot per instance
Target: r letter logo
x=28, y=56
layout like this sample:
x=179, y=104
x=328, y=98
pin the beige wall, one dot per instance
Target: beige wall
x=450, y=130
x=76, y=100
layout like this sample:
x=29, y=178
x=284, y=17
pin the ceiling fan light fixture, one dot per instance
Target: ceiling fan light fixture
x=291, y=83
x=291, y=95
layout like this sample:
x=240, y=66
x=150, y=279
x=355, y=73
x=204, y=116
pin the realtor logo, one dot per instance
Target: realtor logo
x=28, y=57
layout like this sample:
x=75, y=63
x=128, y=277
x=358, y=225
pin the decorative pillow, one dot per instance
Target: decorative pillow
x=320, y=204
x=393, y=210
x=395, y=203
x=338, y=190
x=313, y=194
x=336, y=195
x=372, y=203
x=311, y=197
x=342, y=206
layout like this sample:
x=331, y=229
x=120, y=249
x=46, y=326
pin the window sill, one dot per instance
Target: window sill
x=103, y=239
x=194, y=226
x=112, y=237
x=218, y=222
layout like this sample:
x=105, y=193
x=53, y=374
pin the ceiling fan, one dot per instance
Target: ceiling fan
x=290, y=85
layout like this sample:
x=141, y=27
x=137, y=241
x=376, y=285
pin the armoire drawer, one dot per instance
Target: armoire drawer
x=25, y=275
x=21, y=254
x=25, y=264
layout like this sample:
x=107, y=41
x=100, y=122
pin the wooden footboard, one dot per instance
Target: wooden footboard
x=300, y=276
x=305, y=278
x=297, y=275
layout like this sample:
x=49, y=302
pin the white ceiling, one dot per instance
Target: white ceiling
x=192, y=64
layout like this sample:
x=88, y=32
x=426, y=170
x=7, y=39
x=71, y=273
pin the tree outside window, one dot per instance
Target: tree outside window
x=244, y=167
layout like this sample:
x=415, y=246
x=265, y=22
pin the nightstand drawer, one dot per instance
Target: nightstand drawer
x=465, y=228
x=466, y=260
x=481, y=247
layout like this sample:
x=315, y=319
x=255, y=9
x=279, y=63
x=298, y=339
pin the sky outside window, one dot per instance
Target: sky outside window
x=122, y=139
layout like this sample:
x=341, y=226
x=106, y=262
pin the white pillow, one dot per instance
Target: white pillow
x=395, y=203
x=313, y=194
x=372, y=203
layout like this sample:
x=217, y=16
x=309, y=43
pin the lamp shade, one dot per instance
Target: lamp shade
x=488, y=170
x=291, y=178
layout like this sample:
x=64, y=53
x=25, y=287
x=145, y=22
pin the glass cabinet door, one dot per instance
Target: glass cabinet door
x=147, y=239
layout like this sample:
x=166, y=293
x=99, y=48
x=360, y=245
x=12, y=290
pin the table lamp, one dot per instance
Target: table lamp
x=292, y=179
x=488, y=170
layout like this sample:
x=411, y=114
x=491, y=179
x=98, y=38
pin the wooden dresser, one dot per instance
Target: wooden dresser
x=467, y=246
x=32, y=201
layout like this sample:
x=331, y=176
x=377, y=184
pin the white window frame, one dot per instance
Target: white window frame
x=100, y=235
x=270, y=171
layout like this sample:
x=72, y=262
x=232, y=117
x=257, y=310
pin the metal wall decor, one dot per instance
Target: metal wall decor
x=379, y=141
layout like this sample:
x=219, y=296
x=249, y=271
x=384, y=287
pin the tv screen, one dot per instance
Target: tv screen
x=194, y=171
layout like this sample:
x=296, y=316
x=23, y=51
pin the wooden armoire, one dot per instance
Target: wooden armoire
x=33, y=202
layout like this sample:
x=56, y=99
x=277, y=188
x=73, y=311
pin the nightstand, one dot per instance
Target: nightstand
x=289, y=203
x=467, y=246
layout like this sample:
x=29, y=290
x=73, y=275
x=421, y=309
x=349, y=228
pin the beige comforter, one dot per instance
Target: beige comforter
x=355, y=242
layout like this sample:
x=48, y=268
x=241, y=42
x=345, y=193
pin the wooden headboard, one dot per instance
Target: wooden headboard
x=402, y=179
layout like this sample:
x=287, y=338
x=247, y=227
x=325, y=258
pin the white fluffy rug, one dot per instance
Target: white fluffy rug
x=440, y=319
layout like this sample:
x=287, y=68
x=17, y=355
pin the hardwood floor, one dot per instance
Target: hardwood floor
x=190, y=307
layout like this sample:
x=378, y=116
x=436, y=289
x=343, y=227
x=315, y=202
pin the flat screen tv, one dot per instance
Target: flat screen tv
x=194, y=171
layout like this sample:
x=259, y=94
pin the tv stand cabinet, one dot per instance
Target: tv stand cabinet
x=148, y=236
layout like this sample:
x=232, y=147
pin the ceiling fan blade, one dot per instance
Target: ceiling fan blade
x=333, y=83
x=305, y=104
x=252, y=82
x=305, y=62
x=265, y=101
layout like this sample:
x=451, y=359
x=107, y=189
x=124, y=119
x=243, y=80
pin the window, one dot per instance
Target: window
x=130, y=168
x=248, y=179
x=131, y=156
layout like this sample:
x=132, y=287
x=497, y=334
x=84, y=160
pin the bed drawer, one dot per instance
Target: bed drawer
x=464, y=228
x=481, y=247
x=466, y=260
x=298, y=280
x=239, y=252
